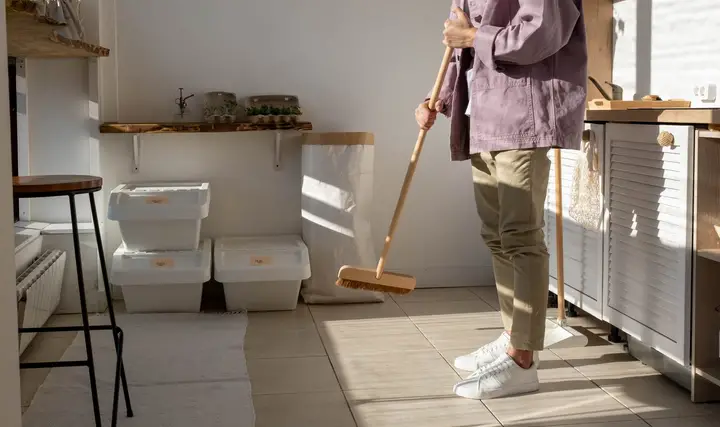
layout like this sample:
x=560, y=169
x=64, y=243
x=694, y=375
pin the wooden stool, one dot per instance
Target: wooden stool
x=31, y=187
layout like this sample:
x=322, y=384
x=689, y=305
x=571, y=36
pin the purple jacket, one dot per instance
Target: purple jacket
x=530, y=66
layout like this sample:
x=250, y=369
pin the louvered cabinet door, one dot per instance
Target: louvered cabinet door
x=582, y=248
x=648, y=237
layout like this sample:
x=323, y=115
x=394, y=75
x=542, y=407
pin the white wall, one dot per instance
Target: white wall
x=61, y=139
x=356, y=66
x=665, y=47
x=9, y=373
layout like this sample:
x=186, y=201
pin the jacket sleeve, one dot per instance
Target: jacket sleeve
x=447, y=89
x=540, y=29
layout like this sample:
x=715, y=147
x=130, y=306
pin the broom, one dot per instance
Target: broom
x=378, y=279
x=557, y=333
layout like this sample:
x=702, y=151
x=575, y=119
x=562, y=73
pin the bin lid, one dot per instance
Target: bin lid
x=66, y=228
x=47, y=228
x=24, y=237
x=261, y=259
x=159, y=201
x=161, y=267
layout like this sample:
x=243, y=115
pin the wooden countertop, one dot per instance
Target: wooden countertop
x=693, y=116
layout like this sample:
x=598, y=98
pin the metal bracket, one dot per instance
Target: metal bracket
x=136, y=153
x=278, y=149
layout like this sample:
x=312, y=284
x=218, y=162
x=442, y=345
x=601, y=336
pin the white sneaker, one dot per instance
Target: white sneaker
x=500, y=379
x=487, y=354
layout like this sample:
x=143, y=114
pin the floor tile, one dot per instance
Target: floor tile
x=560, y=402
x=437, y=294
x=426, y=311
x=686, y=422
x=295, y=375
x=299, y=319
x=45, y=347
x=423, y=372
x=264, y=343
x=372, y=336
x=463, y=336
x=487, y=294
x=606, y=361
x=461, y=330
x=303, y=410
x=329, y=313
x=654, y=396
x=399, y=408
x=636, y=423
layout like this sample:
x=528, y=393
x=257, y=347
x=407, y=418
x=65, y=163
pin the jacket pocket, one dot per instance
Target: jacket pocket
x=502, y=107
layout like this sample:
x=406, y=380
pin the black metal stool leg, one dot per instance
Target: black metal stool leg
x=111, y=312
x=84, y=313
x=118, y=333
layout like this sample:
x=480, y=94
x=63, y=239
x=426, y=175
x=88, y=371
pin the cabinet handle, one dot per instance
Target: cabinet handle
x=666, y=139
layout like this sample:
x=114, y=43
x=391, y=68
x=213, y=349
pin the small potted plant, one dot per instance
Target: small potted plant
x=294, y=113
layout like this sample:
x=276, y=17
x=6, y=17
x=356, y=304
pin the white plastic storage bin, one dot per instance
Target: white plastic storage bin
x=160, y=216
x=162, y=282
x=28, y=244
x=261, y=273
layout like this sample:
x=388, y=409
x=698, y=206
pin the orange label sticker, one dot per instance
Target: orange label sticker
x=258, y=261
x=156, y=200
x=163, y=262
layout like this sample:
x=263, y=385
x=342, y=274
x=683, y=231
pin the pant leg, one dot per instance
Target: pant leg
x=522, y=180
x=488, y=207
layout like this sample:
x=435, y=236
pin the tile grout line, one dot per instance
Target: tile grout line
x=601, y=388
x=443, y=357
x=332, y=365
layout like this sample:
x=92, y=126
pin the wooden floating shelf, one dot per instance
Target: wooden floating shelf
x=27, y=37
x=136, y=128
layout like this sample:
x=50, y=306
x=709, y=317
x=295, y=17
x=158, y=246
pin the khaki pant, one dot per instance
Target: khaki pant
x=510, y=188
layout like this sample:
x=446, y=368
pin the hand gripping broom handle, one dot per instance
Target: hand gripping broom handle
x=413, y=164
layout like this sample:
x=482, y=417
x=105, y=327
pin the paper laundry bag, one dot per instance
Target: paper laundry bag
x=337, y=192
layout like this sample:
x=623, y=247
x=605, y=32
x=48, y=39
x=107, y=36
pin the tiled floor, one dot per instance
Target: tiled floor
x=387, y=365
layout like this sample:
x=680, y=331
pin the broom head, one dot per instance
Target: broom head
x=364, y=278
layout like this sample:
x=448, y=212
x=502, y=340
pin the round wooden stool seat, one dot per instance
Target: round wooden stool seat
x=55, y=185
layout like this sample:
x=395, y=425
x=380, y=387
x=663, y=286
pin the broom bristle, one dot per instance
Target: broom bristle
x=355, y=284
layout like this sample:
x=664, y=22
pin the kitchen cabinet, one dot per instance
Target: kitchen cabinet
x=648, y=235
x=583, y=257
x=635, y=271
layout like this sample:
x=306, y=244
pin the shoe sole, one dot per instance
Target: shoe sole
x=498, y=393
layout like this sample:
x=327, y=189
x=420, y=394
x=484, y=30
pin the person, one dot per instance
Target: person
x=515, y=88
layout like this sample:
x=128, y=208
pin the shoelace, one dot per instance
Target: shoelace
x=491, y=369
x=488, y=349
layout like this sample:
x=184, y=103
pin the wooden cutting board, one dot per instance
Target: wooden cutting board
x=604, y=104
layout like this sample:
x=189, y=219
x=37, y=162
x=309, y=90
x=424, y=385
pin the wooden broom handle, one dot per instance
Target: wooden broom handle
x=413, y=164
x=559, y=236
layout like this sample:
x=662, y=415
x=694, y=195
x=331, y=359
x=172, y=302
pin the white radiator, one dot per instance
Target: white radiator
x=38, y=292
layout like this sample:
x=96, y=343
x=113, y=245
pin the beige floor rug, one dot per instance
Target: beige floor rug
x=184, y=370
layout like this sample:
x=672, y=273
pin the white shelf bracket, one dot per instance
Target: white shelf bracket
x=278, y=149
x=136, y=153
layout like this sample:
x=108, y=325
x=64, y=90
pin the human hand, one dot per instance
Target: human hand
x=459, y=33
x=424, y=116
